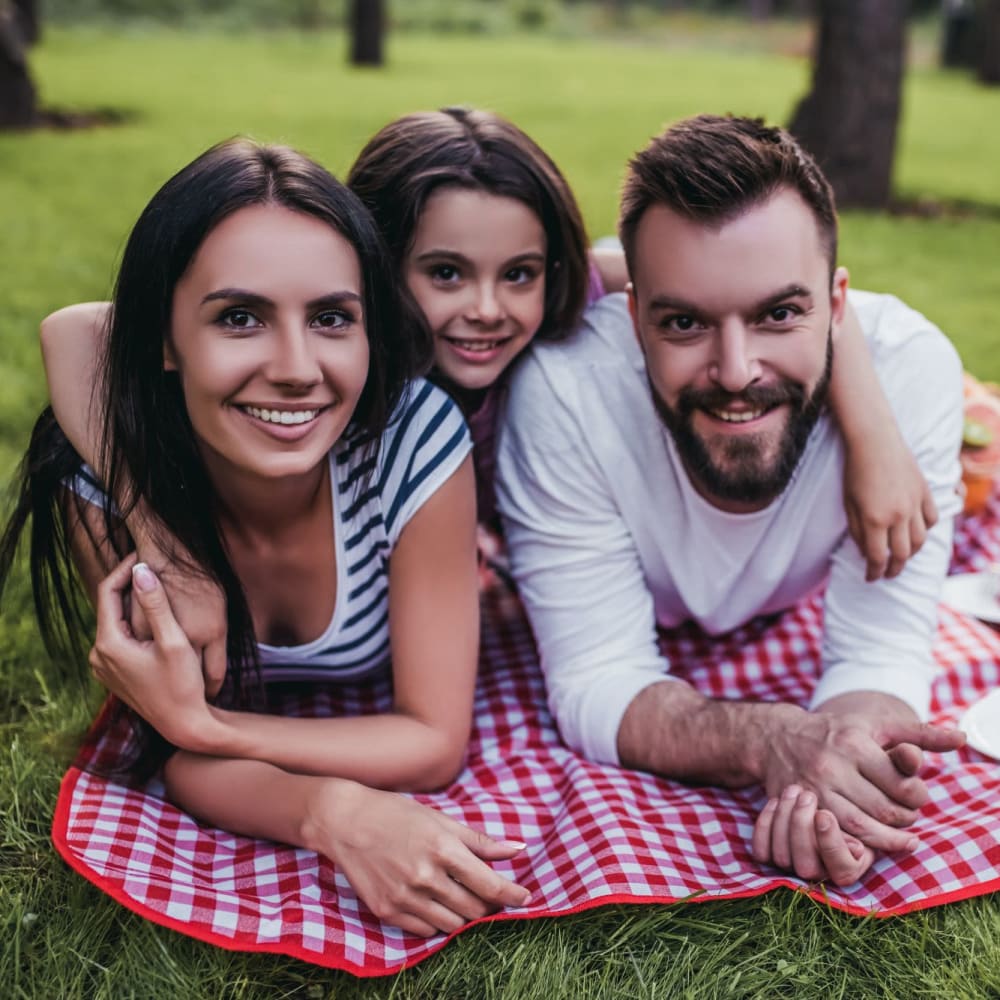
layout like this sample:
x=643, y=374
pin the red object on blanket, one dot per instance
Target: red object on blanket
x=595, y=834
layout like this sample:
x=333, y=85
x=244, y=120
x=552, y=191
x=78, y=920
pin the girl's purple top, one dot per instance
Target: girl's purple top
x=483, y=425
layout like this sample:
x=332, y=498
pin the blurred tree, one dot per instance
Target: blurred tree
x=958, y=36
x=18, y=100
x=367, y=21
x=988, y=23
x=849, y=118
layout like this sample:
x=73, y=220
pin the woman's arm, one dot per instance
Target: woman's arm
x=889, y=506
x=434, y=630
x=414, y=867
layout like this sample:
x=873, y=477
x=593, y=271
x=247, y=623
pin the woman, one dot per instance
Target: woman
x=255, y=397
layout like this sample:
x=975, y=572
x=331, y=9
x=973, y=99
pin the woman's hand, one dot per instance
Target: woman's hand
x=414, y=867
x=160, y=678
x=888, y=503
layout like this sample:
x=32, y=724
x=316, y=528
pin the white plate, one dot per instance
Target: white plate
x=981, y=724
x=976, y=594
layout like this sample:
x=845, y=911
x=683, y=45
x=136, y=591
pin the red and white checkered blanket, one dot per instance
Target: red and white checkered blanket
x=595, y=834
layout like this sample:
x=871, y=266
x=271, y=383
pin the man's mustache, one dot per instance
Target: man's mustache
x=753, y=397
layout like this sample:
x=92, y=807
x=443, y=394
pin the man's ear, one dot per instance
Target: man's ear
x=633, y=309
x=838, y=300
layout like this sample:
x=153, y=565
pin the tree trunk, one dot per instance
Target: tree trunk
x=848, y=120
x=988, y=23
x=17, y=92
x=958, y=35
x=367, y=28
x=27, y=16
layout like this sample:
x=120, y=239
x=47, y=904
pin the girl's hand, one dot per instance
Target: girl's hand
x=793, y=834
x=888, y=503
x=161, y=678
x=414, y=867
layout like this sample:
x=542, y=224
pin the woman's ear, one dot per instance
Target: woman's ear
x=169, y=361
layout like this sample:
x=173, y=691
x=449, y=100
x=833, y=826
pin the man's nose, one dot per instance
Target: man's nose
x=735, y=365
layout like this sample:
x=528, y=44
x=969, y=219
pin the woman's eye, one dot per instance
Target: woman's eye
x=332, y=319
x=239, y=319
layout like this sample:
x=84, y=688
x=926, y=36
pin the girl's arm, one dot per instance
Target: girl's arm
x=434, y=632
x=610, y=264
x=889, y=506
x=72, y=340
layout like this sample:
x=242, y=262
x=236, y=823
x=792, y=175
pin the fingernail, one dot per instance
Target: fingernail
x=806, y=799
x=824, y=824
x=517, y=845
x=791, y=792
x=912, y=845
x=143, y=577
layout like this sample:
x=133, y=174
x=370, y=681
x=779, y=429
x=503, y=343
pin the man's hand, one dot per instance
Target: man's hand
x=859, y=754
x=198, y=604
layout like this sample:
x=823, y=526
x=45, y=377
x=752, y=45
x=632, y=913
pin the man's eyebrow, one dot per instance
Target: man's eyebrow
x=792, y=291
x=659, y=302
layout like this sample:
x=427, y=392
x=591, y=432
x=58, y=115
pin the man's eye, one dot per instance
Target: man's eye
x=679, y=324
x=782, y=314
x=239, y=319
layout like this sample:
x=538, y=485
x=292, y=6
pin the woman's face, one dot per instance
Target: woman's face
x=268, y=338
x=477, y=271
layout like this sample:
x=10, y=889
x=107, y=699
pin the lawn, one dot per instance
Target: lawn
x=66, y=202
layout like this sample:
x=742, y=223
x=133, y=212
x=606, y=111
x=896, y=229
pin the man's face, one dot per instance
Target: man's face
x=737, y=325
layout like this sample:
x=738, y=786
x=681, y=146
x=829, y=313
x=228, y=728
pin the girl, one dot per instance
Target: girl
x=254, y=393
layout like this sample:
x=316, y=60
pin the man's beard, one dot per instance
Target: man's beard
x=745, y=475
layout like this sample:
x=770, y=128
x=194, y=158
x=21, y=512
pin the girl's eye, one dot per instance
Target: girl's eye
x=239, y=319
x=332, y=319
x=520, y=275
x=445, y=273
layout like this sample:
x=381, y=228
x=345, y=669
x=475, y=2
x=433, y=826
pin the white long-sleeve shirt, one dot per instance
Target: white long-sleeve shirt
x=608, y=537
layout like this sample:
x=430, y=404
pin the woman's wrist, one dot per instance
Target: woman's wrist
x=332, y=803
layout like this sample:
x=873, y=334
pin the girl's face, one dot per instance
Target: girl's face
x=268, y=338
x=477, y=271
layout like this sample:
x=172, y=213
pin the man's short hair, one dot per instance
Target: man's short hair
x=712, y=169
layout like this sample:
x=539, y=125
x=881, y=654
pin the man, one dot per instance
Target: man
x=673, y=461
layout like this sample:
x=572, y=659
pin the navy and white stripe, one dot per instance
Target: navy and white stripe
x=373, y=499
x=373, y=502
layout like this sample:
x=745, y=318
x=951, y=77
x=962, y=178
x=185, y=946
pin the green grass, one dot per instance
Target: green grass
x=66, y=202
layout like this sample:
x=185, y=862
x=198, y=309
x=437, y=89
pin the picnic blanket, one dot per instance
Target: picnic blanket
x=595, y=834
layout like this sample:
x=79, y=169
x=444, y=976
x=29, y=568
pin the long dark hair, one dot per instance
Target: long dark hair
x=149, y=449
x=409, y=159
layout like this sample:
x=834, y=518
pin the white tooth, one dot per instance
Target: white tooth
x=286, y=417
